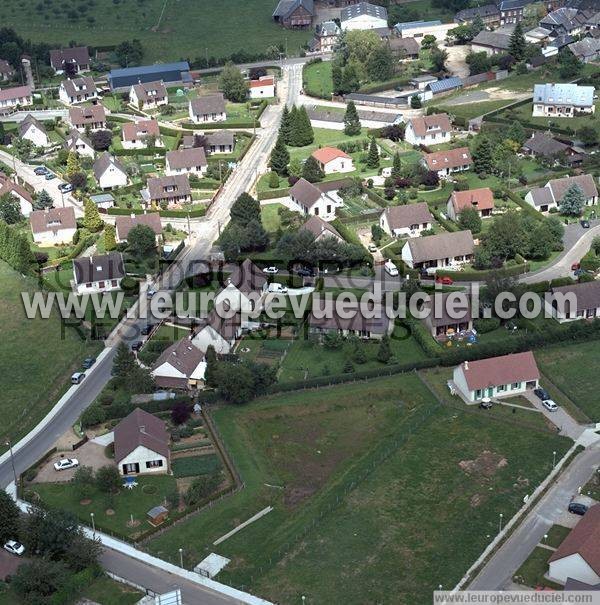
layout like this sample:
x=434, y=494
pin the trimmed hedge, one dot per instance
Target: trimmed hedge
x=380, y=86
x=163, y=213
x=273, y=193
x=446, y=223
x=149, y=151
x=525, y=207
x=474, y=275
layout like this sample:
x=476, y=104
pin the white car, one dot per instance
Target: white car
x=271, y=270
x=550, y=405
x=275, y=288
x=65, y=463
x=14, y=547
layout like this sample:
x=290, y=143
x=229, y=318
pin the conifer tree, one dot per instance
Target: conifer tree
x=311, y=170
x=110, y=238
x=397, y=166
x=285, y=127
x=91, y=217
x=373, y=157
x=351, y=120
x=280, y=157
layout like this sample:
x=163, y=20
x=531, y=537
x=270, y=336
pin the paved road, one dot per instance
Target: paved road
x=498, y=572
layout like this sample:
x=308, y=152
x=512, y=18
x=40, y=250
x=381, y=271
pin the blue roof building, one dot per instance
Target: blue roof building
x=445, y=85
x=572, y=95
x=169, y=73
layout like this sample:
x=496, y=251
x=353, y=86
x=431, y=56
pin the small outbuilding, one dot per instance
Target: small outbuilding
x=157, y=515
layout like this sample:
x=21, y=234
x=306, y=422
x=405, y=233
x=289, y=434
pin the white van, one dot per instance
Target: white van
x=390, y=268
x=276, y=288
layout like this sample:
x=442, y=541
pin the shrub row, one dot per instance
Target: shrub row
x=163, y=213
x=149, y=152
x=273, y=193
x=474, y=275
x=380, y=86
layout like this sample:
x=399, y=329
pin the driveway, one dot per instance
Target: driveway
x=89, y=454
x=455, y=63
x=9, y=564
x=560, y=419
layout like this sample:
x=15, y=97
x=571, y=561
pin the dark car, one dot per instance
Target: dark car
x=146, y=330
x=136, y=346
x=304, y=272
x=88, y=362
x=577, y=508
x=585, y=223
x=541, y=394
x=49, y=176
x=40, y=170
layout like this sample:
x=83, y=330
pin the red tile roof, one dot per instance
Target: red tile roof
x=480, y=199
x=517, y=367
x=327, y=154
x=137, y=130
x=262, y=82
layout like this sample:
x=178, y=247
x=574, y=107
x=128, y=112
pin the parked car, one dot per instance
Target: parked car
x=77, y=377
x=445, y=281
x=49, y=176
x=88, y=362
x=372, y=248
x=147, y=329
x=550, y=405
x=541, y=393
x=66, y=463
x=390, y=268
x=577, y=508
x=584, y=223
x=575, y=266
x=150, y=293
x=485, y=404
x=14, y=548
x=304, y=271
x=276, y=288
x=65, y=187
x=40, y=170
x=271, y=270
x=136, y=346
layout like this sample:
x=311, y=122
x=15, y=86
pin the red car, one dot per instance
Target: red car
x=575, y=266
x=445, y=281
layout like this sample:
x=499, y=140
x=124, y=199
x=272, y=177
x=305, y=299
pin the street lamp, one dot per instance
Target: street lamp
x=553, y=459
x=93, y=525
x=545, y=538
x=500, y=526
x=12, y=461
x=181, y=556
x=303, y=599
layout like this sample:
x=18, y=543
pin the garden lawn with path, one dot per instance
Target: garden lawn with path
x=359, y=476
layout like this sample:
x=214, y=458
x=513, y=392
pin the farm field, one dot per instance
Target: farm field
x=33, y=376
x=168, y=29
x=358, y=474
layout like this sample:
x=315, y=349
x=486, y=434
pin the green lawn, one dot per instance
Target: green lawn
x=168, y=29
x=37, y=357
x=371, y=484
x=317, y=79
x=191, y=466
x=531, y=573
x=569, y=368
x=270, y=217
x=556, y=534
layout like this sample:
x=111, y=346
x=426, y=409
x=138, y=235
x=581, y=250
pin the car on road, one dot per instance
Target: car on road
x=275, y=288
x=49, y=176
x=77, y=377
x=270, y=270
x=150, y=292
x=575, y=266
x=541, y=393
x=391, y=269
x=136, y=346
x=445, y=281
x=14, y=547
x=40, y=170
x=147, y=329
x=372, y=248
x=584, y=223
x=550, y=405
x=88, y=362
x=65, y=187
x=66, y=463
x=304, y=271
x=577, y=508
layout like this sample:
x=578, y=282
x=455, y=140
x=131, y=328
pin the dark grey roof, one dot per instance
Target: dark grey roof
x=317, y=226
x=363, y=8
x=186, y=158
x=513, y=4
x=562, y=41
x=588, y=48
x=220, y=137
x=468, y=14
x=77, y=86
x=178, y=183
x=77, y=54
x=358, y=97
x=99, y=268
x=443, y=245
x=399, y=217
x=74, y=136
x=439, y=315
x=542, y=196
x=544, y=145
x=378, y=324
x=563, y=19
x=286, y=7
x=247, y=277
x=208, y=104
x=492, y=40
x=587, y=294
x=407, y=45
x=305, y=192
x=103, y=162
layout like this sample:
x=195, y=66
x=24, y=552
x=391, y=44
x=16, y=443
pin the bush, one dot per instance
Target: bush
x=129, y=284
x=186, y=431
x=484, y=325
x=201, y=488
x=93, y=416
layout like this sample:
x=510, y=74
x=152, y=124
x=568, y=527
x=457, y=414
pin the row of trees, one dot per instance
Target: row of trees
x=295, y=130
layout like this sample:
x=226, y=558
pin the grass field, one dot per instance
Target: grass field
x=192, y=466
x=531, y=573
x=168, y=29
x=317, y=79
x=36, y=358
x=570, y=370
x=360, y=513
x=270, y=217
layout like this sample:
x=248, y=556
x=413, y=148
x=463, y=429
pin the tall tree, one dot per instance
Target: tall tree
x=110, y=238
x=380, y=65
x=482, y=157
x=141, y=241
x=351, y=120
x=311, y=170
x=73, y=164
x=373, y=155
x=232, y=83
x=210, y=375
x=517, y=45
x=573, y=201
x=44, y=200
x=9, y=518
x=469, y=218
x=350, y=79
x=280, y=157
x=304, y=132
x=10, y=209
x=397, y=166
x=91, y=217
x=285, y=127
x=245, y=209
x=123, y=363
x=337, y=77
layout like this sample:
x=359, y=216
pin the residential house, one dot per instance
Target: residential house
x=406, y=221
x=218, y=332
x=481, y=200
x=13, y=98
x=420, y=29
x=53, y=226
x=404, y=48
x=172, y=74
x=148, y=95
x=18, y=192
x=209, y=108
x=309, y=199
x=244, y=290
x=186, y=161
x=374, y=324
x=332, y=160
x=576, y=301
x=142, y=134
x=75, y=59
x=77, y=90
x=321, y=229
x=103, y=201
x=497, y=376
x=263, y=88
x=556, y=45
x=421, y=82
x=545, y=146
x=7, y=71
x=221, y=141
x=92, y=117
x=294, y=14
x=142, y=445
x=109, y=172
x=564, y=21
x=326, y=37
x=98, y=273
x=551, y=195
x=32, y=130
x=428, y=130
x=167, y=191
x=538, y=35
x=492, y=43
x=180, y=366
x=447, y=317
x=488, y=13
x=578, y=556
x=363, y=16
x=562, y=100
x=124, y=224
x=586, y=50
x=447, y=162
x=445, y=250
x=80, y=144
x=334, y=120
x=511, y=11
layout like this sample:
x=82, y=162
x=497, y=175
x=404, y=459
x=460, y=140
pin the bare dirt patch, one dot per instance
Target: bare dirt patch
x=485, y=465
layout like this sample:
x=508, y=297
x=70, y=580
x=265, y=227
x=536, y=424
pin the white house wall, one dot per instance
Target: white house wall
x=573, y=566
x=141, y=455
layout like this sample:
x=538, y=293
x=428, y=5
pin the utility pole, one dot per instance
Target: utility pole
x=12, y=461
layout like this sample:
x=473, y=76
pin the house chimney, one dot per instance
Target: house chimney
x=466, y=366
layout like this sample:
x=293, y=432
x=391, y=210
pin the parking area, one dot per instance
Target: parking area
x=561, y=420
x=89, y=454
